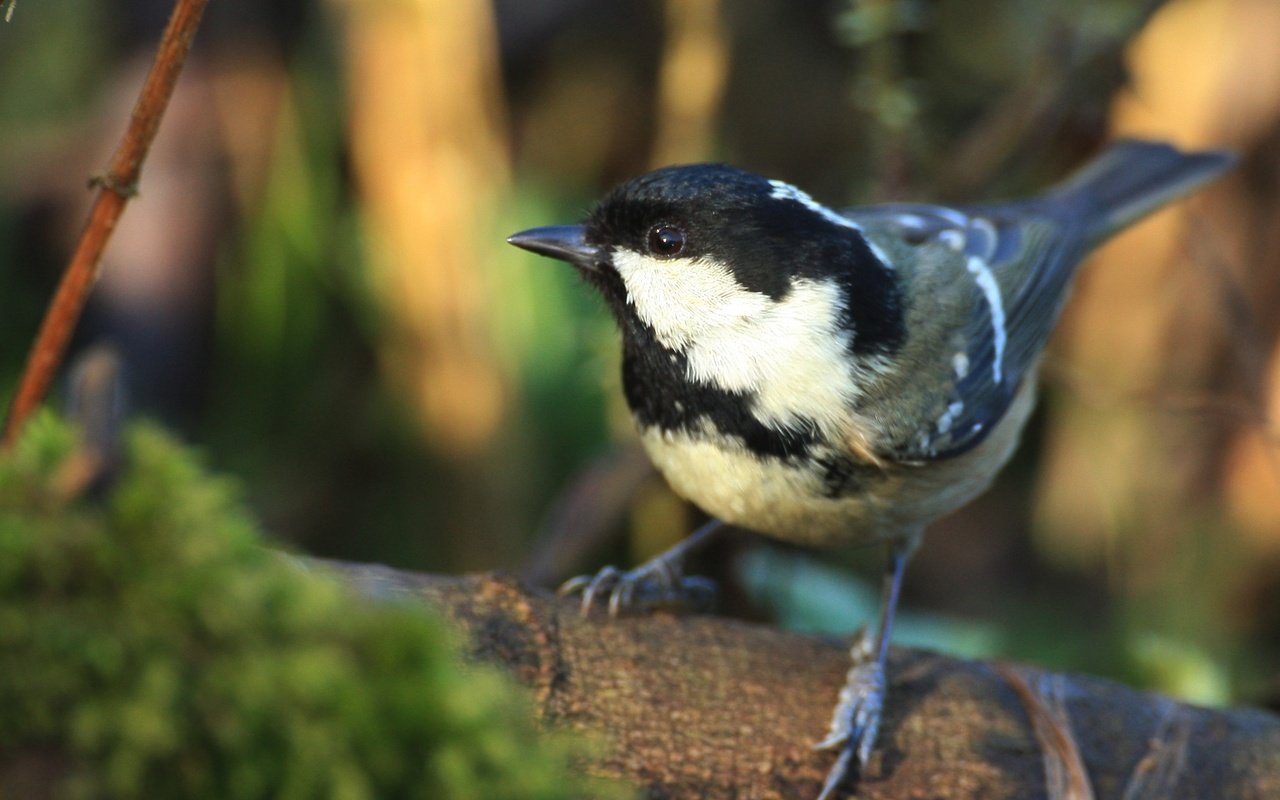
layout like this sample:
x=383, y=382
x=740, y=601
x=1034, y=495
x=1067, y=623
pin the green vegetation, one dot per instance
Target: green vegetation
x=150, y=646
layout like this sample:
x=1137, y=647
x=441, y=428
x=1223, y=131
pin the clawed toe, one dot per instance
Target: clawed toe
x=854, y=736
x=659, y=582
x=651, y=585
x=856, y=720
x=839, y=773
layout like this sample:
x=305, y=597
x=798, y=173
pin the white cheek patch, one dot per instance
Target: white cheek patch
x=791, y=353
x=684, y=298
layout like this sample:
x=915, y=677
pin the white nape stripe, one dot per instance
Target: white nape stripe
x=986, y=281
x=785, y=191
x=792, y=354
x=877, y=251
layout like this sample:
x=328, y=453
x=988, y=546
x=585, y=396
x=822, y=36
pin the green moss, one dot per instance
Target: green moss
x=150, y=646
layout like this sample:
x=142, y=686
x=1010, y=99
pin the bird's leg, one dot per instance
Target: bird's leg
x=658, y=581
x=856, y=719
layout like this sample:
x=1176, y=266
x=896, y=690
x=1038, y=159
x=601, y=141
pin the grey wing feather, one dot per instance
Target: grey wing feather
x=1022, y=257
x=1012, y=312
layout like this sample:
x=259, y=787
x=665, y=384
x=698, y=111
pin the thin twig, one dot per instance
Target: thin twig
x=1066, y=777
x=114, y=190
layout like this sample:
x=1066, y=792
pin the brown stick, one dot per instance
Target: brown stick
x=698, y=706
x=114, y=190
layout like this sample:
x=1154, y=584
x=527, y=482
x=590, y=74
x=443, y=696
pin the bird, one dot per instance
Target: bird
x=838, y=377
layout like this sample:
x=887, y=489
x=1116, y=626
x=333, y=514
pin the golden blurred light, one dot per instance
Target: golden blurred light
x=430, y=160
x=1150, y=438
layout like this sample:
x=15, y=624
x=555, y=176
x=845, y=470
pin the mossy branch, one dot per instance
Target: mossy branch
x=707, y=707
x=152, y=646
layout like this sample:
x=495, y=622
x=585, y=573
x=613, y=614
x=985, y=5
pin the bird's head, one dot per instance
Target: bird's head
x=708, y=255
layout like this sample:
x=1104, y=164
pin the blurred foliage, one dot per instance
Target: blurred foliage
x=35, y=54
x=308, y=368
x=48, y=74
x=150, y=646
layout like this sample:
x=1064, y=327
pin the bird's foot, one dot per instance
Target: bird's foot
x=656, y=583
x=856, y=719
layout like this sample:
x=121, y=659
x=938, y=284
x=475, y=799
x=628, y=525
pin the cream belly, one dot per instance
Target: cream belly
x=763, y=495
x=787, y=502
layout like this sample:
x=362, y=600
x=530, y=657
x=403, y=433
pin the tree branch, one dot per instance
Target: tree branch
x=707, y=707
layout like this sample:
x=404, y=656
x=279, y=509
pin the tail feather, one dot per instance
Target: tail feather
x=1132, y=179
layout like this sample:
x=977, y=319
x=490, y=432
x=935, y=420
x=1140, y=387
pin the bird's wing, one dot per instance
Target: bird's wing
x=1005, y=271
x=1002, y=272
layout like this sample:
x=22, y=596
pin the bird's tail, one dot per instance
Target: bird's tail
x=1130, y=180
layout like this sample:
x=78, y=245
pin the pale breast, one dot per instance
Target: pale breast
x=790, y=499
x=783, y=499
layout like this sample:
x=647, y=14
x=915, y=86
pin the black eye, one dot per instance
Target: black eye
x=666, y=241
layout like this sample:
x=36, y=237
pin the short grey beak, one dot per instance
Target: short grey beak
x=565, y=242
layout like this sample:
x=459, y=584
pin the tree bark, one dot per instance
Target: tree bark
x=704, y=707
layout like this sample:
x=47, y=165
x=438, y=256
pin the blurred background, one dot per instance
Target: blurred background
x=313, y=286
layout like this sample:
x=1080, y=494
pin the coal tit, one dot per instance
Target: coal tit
x=838, y=378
